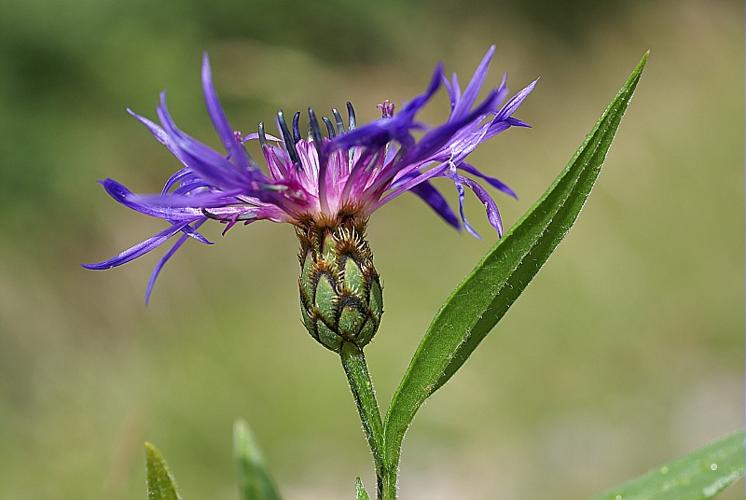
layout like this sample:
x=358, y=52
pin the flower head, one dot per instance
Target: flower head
x=337, y=171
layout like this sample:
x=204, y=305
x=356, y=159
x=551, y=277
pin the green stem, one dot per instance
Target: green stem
x=353, y=362
x=388, y=486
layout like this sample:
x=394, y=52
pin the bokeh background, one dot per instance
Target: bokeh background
x=626, y=351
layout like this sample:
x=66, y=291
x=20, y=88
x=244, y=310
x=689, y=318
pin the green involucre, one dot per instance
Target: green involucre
x=340, y=291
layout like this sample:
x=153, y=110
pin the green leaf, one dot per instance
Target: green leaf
x=360, y=493
x=161, y=484
x=486, y=294
x=254, y=481
x=702, y=474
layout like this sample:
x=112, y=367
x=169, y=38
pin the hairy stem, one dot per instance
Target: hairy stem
x=388, y=483
x=353, y=362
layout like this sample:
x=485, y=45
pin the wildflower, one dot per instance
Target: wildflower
x=327, y=184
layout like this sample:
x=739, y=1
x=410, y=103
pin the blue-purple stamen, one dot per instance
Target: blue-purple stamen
x=314, y=130
x=262, y=135
x=289, y=144
x=339, y=120
x=329, y=127
x=291, y=139
x=351, y=114
x=296, y=127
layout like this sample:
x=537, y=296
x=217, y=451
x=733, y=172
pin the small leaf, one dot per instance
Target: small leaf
x=254, y=481
x=161, y=484
x=360, y=493
x=486, y=294
x=702, y=474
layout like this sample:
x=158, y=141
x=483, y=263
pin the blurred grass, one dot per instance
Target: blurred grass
x=627, y=350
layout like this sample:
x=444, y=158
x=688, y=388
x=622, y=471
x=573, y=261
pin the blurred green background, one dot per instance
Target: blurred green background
x=626, y=351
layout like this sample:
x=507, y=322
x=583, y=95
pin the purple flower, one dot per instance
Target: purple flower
x=337, y=170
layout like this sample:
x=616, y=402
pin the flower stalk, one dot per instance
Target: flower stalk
x=353, y=362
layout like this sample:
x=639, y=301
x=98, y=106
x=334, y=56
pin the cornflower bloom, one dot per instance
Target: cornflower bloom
x=326, y=184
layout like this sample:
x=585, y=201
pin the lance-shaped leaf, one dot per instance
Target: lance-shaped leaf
x=702, y=474
x=161, y=484
x=486, y=294
x=254, y=481
x=360, y=493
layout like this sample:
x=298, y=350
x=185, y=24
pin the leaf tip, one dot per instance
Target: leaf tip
x=360, y=492
x=240, y=428
x=643, y=61
x=151, y=452
x=244, y=444
x=153, y=458
x=160, y=482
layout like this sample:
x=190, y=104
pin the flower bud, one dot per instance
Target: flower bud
x=340, y=291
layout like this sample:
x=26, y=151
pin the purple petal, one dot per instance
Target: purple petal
x=178, y=177
x=453, y=89
x=495, y=128
x=439, y=136
x=138, y=250
x=493, y=214
x=366, y=158
x=449, y=89
x=192, y=203
x=373, y=135
x=162, y=137
x=411, y=182
x=204, y=160
x=501, y=125
x=461, y=194
x=190, y=188
x=456, y=87
x=140, y=204
x=502, y=89
x=164, y=259
x=515, y=122
x=514, y=102
x=464, y=104
x=217, y=115
x=188, y=150
x=193, y=233
x=492, y=181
